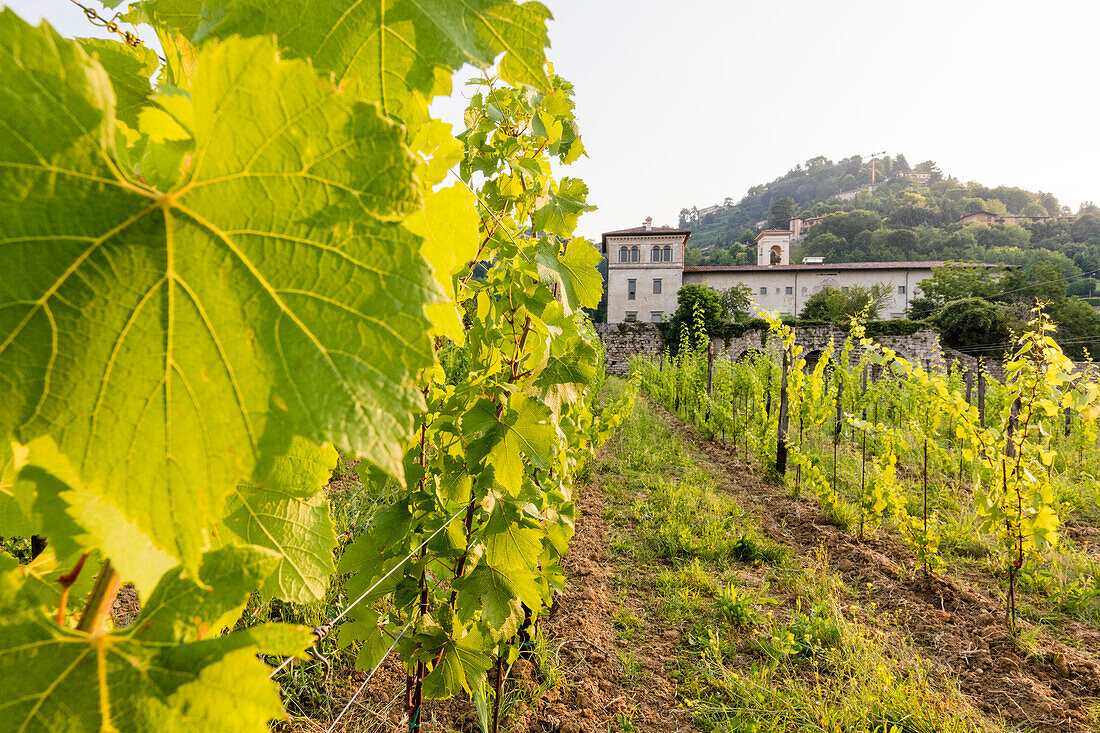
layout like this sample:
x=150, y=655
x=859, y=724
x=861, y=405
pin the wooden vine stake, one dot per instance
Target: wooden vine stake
x=710, y=375
x=863, y=452
x=838, y=424
x=1017, y=533
x=981, y=393
x=781, y=434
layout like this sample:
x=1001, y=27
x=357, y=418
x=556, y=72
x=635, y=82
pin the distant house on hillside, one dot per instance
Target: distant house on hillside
x=922, y=177
x=988, y=217
x=979, y=217
x=708, y=210
x=1023, y=219
x=850, y=195
x=646, y=270
x=800, y=226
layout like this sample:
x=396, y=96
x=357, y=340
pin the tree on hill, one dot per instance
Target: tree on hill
x=929, y=166
x=901, y=165
x=848, y=224
x=912, y=216
x=1086, y=228
x=779, y=217
x=972, y=322
x=969, y=205
x=1050, y=202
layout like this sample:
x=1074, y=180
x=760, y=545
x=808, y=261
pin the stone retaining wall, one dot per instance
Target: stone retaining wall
x=624, y=341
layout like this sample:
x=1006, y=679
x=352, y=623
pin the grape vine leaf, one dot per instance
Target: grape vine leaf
x=575, y=271
x=495, y=592
x=268, y=293
x=448, y=224
x=460, y=661
x=558, y=210
x=299, y=530
x=17, y=518
x=154, y=676
x=180, y=609
x=286, y=510
x=511, y=541
x=571, y=358
x=403, y=50
x=521, y=430
x=129, y=68
x=35, y=584
x=75, y=518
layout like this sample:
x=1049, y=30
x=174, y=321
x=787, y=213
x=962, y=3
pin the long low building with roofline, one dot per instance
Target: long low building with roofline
x=645, y=270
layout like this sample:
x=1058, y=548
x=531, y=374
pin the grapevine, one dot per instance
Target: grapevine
x=222, y=279
x=900, y=439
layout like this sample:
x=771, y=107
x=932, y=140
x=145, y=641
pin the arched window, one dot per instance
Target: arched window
x=655, y=256
x=777, y=255
x=633, y=254
x=623, y=254
x=668, y=253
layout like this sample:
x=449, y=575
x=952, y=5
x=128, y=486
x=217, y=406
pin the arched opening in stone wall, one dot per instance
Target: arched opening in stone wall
x=777, y=255
x=749, y=354
x=812, y=358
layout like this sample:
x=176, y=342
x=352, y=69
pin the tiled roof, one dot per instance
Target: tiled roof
x=643, y=232
x=836, y=266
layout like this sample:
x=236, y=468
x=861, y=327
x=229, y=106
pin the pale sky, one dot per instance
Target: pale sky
x=685, y=103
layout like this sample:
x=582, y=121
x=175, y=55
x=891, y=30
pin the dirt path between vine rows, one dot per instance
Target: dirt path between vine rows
x=954, y=623
x=595, y=695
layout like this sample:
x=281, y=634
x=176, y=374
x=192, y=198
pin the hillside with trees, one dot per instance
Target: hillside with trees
x=913, y=213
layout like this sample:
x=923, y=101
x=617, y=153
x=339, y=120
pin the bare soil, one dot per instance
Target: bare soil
x=581, y=640
x=957, y=623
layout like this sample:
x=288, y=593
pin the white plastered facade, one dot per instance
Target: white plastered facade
x=645, y=305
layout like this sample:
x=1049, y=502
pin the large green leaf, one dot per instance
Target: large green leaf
x=459, y=664
x=403, y=50
x=37, y=583
x=448, y=224
x=17, y=518
x=496, y=593
x=75, y=517
x=130, y=69
x=574, y=271
x=522, y=430
x=166, y=340
x=285, y=510
x=299, y=530
x=160, y=675
x=559, y=209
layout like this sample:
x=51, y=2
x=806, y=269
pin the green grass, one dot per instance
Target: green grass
x=771, y=642
x=627, y=624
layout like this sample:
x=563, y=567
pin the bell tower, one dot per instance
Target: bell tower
x=773, y=247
